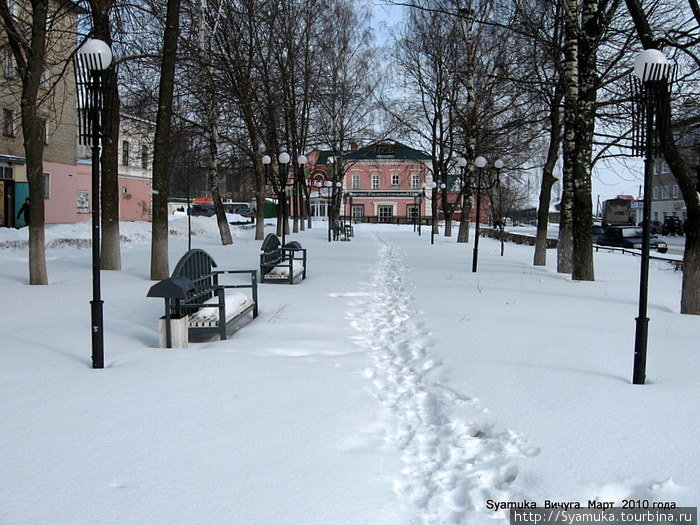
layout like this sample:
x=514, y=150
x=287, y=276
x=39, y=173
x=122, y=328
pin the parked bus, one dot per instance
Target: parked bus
x=617, y=212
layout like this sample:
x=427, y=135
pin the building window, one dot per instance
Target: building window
x=9, y=68
x=43, y=130
x=6, y=172
x=144, y=156
x=375, y=181
x=394, y=180
x=355, y=181
x=415, y=181
x=358, y=211
x=44, y=79
x=656, y=193
x=675, y=191
x=125, y=153
x=8, y=122
x=664, y=192
x=412, y=212
x=47, y=185
x=385, y=212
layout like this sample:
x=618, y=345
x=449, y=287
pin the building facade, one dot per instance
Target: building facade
x=666, y=198
x=134, y=164
x=67, y=166
x=57, y=115
x=381, y=182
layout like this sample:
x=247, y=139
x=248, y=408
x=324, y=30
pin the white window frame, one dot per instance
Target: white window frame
x=144, y=156
x=664, y=192
x=9, y=67
x=375, y=181
x=655, y=193
x=675, y=191
x=355, y=181
x=47, y=185
x=125, y=153
x=9, y=119
x=380, y=207
x=395, y=180
x=415, y=181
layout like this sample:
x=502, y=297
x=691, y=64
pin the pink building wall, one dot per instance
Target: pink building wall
x=135, y=199
x=69, y=185
x=64, y=184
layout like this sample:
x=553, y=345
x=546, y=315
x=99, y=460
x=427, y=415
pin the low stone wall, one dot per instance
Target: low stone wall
x=517, y=238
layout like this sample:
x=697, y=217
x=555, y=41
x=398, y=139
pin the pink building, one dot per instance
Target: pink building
x=382, y=182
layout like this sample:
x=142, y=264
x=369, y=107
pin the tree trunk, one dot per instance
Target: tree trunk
x=34, y=142
x=34, y=151
x=224, y=228
x=463, y=232
x=583, y=268
x=110, y=252
x=548, y=178
x=565, y=243
x=161, y=151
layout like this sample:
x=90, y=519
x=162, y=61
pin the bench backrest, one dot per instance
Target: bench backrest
x=197, y=265
x=270, y=253
x=271, y=243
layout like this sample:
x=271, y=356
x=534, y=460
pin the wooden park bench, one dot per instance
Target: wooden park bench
x=282, y=264
x=197, y=292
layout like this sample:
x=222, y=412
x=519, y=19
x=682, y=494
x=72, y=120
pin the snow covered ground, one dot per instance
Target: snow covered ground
x=392, y=386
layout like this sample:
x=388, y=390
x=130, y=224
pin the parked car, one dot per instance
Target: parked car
x=198, y=210
x=654, y=226
x=244, y=212
x=672, y=226
x=629, y=237
x=597, y=232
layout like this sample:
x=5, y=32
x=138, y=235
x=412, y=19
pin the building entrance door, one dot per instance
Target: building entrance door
x=385, y=213
x=6, y=204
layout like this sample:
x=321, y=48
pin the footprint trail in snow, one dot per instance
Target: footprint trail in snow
x=450, y=466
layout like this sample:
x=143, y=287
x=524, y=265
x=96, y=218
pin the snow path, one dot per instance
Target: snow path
x=451, y=467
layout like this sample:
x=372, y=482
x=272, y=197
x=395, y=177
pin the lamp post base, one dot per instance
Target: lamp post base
x=640, y=350
x=475, y=259
x=98, y=360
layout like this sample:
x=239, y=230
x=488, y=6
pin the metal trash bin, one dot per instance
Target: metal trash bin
x=173, y=290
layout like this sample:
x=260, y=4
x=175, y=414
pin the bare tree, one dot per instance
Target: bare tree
x=159, y=237
x=40, y=35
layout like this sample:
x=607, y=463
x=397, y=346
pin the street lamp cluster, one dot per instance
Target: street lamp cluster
x=480, y=163
x=330, y=195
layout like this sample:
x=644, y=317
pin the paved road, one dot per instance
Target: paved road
x=676, y=245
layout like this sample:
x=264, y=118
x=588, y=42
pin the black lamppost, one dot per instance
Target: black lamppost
x=95, y=83
x=283, y=160
x=480, y=163
x=651, y=115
